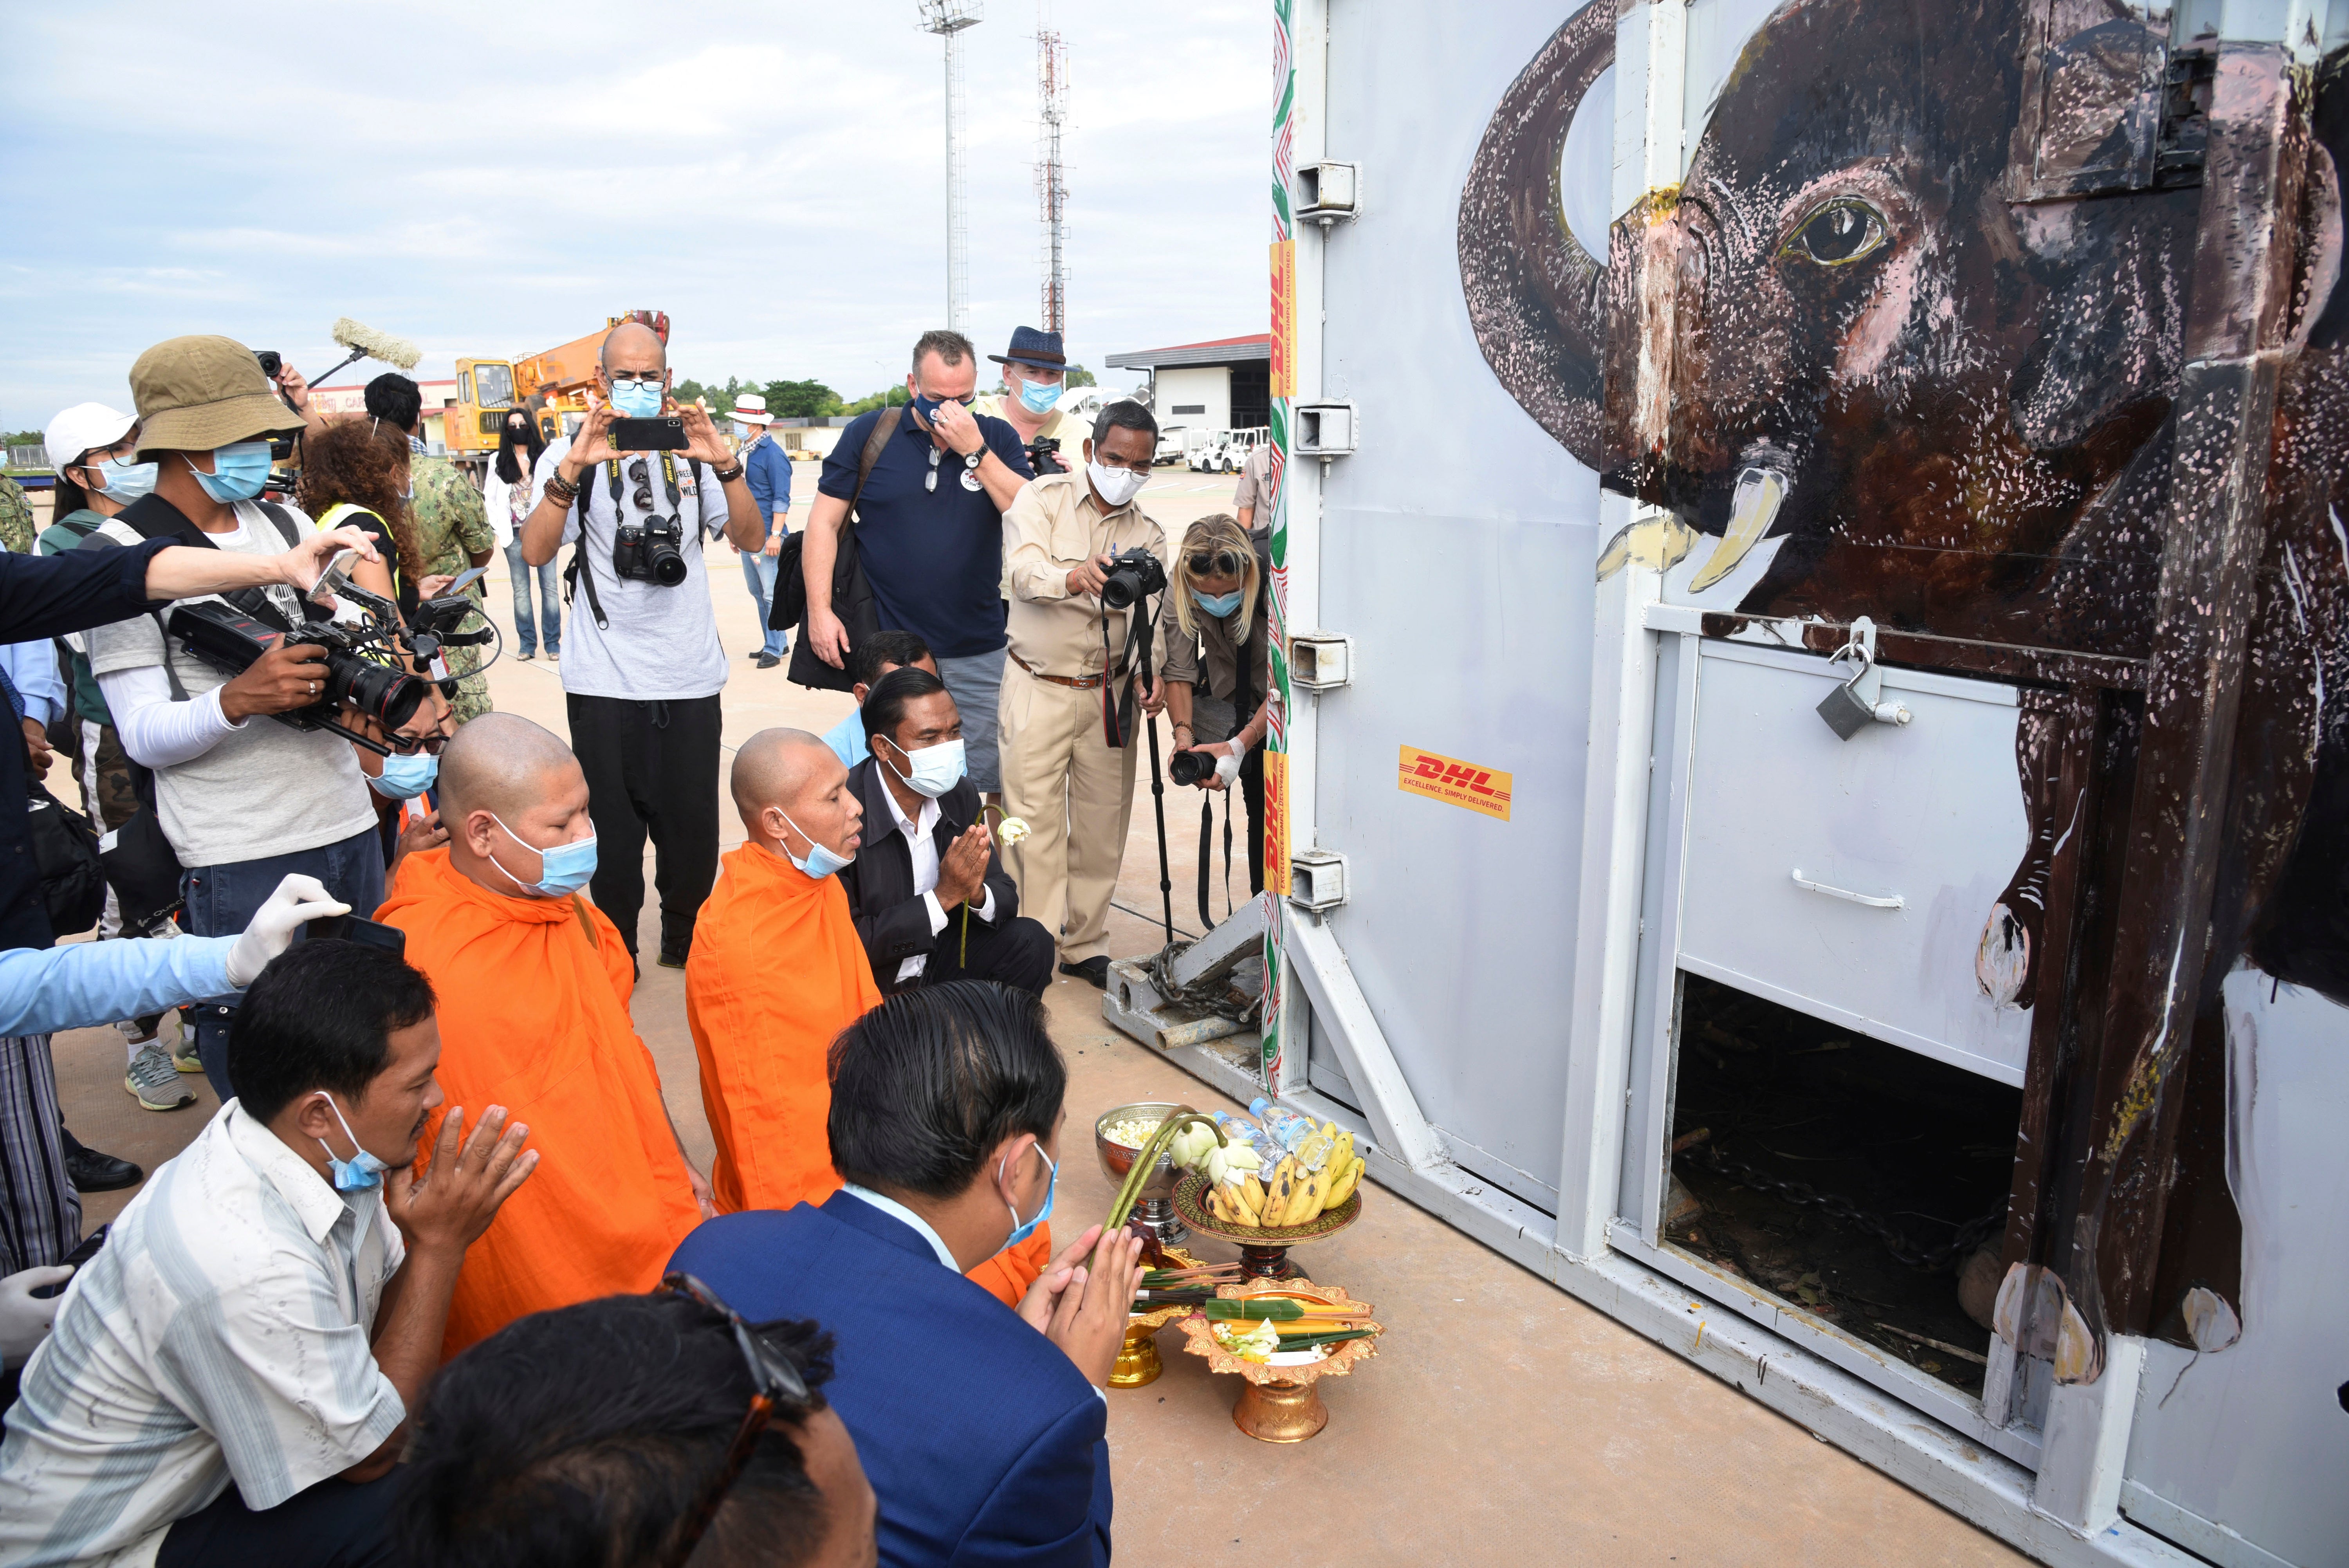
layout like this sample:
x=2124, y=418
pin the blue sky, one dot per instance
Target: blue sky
x=492, y=180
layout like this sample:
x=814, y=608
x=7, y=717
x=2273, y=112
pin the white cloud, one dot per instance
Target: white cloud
x=497, y=180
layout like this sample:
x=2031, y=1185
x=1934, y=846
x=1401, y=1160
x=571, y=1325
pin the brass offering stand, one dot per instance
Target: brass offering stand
x=1138, y=1362
x=1280, y=1404
x=1264, y=1252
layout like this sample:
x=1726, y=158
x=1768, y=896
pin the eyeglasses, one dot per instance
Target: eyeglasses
x=774, y=1381
x=1216, y=564
x=644, y=378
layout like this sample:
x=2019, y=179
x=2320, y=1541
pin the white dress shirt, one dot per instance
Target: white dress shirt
x=923, y=850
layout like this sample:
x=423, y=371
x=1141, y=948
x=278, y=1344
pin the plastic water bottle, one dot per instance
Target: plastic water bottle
x=1298, y=1135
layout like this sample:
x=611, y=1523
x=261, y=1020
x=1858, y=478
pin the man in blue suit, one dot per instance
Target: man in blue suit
x=984, y=1430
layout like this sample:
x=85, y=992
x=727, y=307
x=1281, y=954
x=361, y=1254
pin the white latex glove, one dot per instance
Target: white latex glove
x=24, y=1319
x=297, y=899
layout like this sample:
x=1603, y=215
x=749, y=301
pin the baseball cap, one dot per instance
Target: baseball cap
x=195, y=394
x=85, y=427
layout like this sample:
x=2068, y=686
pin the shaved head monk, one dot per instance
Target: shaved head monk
x=777, y=972
x=535, y=982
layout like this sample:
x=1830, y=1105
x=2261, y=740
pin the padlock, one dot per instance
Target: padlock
x=1858, y=703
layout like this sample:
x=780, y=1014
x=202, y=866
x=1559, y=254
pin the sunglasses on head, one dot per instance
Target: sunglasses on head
x=1213, y=564
x=774, y=1381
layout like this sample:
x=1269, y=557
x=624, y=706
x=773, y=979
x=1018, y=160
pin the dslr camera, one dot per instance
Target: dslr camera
x=652, y=551
x=1134, y=573
x=1190, y=767
x=1044, y=455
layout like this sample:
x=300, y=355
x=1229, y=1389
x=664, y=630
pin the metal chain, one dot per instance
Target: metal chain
x=1932, y=1260
x=1203, y=998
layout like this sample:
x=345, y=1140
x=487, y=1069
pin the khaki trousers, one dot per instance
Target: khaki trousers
x=1076, y=792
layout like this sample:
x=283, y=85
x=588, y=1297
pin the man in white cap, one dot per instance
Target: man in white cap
x=767, y=467
x=94, y=450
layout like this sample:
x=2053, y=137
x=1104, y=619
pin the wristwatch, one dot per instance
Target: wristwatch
x=971, y=460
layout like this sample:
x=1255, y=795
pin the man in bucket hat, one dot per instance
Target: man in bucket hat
x=244, y=805
x=767, y=467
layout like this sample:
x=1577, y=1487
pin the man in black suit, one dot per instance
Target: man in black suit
x=927, y=851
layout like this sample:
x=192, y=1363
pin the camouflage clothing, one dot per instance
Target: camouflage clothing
x=450, y=528
x=16, y=517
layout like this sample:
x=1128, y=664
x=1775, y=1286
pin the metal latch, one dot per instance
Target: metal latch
x=1860, y=701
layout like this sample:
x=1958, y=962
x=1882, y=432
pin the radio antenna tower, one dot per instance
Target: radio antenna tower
x=1052, y=182
x=947, y=18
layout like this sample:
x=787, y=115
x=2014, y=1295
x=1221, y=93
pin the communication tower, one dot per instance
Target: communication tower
x=947, y=18
x=1052, y=182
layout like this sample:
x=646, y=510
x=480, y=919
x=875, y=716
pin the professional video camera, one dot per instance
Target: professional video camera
x=652, y=551
x=363, y=672
x=1044, y=455
x=1134, y=573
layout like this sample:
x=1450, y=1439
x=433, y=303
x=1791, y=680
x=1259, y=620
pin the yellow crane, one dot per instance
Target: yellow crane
x=551, y=384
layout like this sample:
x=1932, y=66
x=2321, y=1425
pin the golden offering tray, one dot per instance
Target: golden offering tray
x=1264, y=1252
x=1137, y=1358
x=1280, y=1404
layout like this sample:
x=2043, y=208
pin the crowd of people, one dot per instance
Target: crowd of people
x=440, y=1282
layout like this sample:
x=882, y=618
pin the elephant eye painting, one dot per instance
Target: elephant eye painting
x=1929, y=333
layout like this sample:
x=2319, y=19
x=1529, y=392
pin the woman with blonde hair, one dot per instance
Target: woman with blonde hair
x=1211, y=623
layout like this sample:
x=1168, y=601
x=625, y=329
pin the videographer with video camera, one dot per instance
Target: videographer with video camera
x=642, y=670
x=1083, y=561
x=241, y=805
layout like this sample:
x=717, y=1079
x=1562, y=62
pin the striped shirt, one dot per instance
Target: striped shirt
x=221, y=1334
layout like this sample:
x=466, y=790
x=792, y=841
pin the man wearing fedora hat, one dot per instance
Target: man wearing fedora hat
x=1035, y=372
x=768, y=468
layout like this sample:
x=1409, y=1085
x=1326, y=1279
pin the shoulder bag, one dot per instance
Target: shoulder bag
x=852, y=594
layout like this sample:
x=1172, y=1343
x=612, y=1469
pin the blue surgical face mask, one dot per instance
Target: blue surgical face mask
x=238, y=471
x=362, y=1171
x=928, y=407
x=820, y=862
x=406, y=777
x=1216, y=605
x=935, y=769
x=637, y=400
x=562, y=869
x=1037, y=397
x=126, y=482
x=1022, y=1228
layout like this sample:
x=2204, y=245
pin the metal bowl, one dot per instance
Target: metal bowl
x=1154, y=1211
x=1117, y=1159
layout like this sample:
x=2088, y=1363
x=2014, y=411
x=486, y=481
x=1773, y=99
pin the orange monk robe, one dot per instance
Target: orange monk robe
x=775, y=975
x=533, y=1012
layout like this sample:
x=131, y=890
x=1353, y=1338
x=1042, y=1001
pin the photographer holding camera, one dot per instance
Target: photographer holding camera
x=1082, y=558
x=1213, y=625
x=643, y=669
x=242, y=804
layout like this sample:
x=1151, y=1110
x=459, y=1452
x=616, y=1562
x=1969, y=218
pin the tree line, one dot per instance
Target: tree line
x=813, y=400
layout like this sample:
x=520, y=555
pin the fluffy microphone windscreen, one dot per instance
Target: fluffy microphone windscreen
x=376, y=345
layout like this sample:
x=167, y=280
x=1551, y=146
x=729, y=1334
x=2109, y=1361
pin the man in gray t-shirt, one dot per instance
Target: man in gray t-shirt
x=642, y=668
x=244, y=798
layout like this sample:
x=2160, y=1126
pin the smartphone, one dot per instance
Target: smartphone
x=465, y=579
x=336, y=577
x=353, y=929
x=76, y=1258
x=666, y=433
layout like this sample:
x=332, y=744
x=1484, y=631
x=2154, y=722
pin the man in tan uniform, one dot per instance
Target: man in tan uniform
x=1067, y=768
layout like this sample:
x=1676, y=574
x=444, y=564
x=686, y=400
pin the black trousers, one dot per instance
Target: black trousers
x=651, y=767
x=334, y=1524
x=1018, y=955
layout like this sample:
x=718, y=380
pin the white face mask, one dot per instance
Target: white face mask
x=1115, y=485
x=935, y=769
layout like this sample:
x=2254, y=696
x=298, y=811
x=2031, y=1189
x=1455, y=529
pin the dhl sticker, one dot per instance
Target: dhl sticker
x=1455, y=783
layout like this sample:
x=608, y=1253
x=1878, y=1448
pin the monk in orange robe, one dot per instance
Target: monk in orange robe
x=534, y=984
x=776, y=973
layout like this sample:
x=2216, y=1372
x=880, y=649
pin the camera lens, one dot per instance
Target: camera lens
x=387, y=696
x=1188, y=767
x=668, y=566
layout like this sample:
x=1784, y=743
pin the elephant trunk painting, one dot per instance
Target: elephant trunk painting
x=1911, y=340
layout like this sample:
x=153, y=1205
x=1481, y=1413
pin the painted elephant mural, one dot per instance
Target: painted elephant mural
x=1875, y=324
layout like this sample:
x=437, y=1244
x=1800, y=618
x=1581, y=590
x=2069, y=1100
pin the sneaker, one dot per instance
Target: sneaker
x=525, y=657
x=184, y=1055
x=154, y=1079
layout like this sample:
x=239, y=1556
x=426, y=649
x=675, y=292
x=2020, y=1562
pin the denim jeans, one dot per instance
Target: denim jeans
x=549, y=594
x=221, y=900
x=759, y=572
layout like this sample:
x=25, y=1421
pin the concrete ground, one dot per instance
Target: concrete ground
x=1524, y=1428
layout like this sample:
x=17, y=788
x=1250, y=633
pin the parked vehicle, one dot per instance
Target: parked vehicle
x=1226, y=451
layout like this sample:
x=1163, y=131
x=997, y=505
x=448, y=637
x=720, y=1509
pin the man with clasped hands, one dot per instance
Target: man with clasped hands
x=642, y=670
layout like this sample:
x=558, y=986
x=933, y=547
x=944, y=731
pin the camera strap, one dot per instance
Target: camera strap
x=579, y=571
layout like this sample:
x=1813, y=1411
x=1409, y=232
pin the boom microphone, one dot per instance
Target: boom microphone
x=366, y=343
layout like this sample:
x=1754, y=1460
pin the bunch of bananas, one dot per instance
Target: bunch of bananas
x=1290, y=1195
